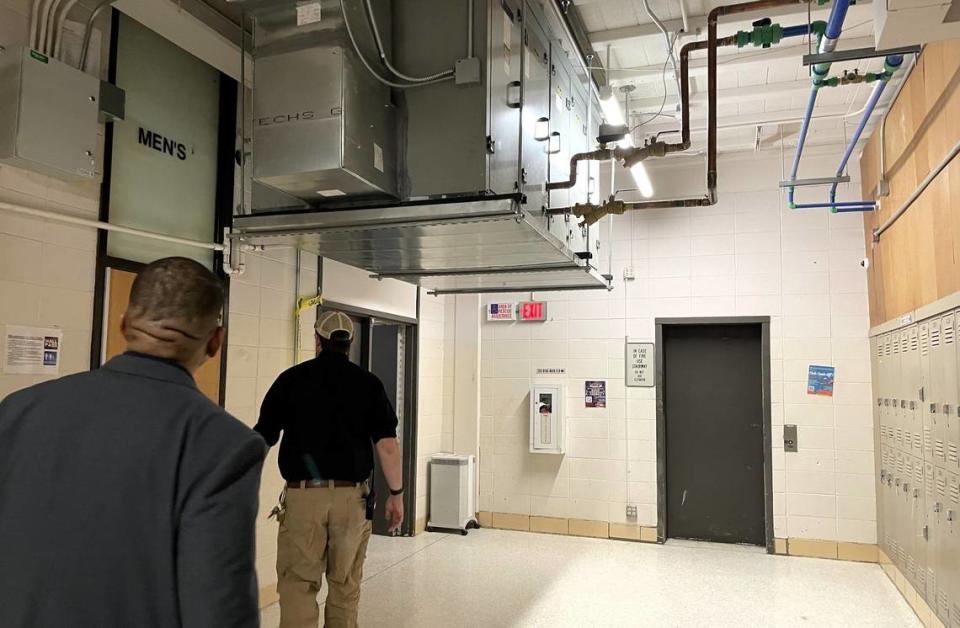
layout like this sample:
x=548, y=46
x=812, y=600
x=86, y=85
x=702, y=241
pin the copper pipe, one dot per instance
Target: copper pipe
x=601, y=154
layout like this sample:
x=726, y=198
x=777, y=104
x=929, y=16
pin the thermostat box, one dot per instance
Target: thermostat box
x=48, y=116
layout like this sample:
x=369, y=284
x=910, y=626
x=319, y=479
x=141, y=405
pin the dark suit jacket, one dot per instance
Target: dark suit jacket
x=127, y=498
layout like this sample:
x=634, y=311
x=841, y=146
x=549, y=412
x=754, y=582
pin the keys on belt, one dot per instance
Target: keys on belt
x=323, y=484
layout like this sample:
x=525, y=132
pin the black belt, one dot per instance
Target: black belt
x=323, y=484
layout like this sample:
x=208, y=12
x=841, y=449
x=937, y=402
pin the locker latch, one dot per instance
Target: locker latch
x=906, y=487
x=946, y=409
x=903, y=403
x=922, y=394
x=897, y=482
x=938, y=507
x=916, y=493
x=951, y=515
x=926, y=533
x=933, y=408
x=913, y=405
x=886, y=402
x=491, y=145
x=879, y=401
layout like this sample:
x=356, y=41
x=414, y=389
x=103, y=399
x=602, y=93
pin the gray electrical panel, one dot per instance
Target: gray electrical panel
x=917, y=390
x=48, y=115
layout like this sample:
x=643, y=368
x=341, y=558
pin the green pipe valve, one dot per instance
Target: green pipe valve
x=763, y=34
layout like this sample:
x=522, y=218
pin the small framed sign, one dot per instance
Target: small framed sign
x=640, y=365
x=502, y=312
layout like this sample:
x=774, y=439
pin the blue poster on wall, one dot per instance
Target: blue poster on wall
x=820, y=380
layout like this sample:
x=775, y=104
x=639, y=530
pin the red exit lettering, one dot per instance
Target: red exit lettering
x=533, y=311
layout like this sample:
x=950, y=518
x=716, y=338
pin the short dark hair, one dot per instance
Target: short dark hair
x=176, y=288
x=338, y=341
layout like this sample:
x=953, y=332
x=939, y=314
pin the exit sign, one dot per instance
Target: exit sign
x=533, y=311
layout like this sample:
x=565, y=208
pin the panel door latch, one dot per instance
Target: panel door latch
x=491, y=145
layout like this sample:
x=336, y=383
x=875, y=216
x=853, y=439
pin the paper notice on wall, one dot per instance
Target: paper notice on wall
x=640, y=364
x=32, y=350
x=820, y=380
x=595, y=394
x=308, y=13
x=377, y=157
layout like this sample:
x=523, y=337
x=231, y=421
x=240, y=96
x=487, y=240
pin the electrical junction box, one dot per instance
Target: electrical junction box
x=48, y=116
x=547, y=424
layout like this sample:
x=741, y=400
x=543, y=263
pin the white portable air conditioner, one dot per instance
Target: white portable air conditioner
x=452, y=501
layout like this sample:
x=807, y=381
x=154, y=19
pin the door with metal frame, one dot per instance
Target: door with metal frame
x=714, y=428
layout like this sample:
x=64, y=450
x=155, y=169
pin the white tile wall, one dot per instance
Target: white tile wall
x=748, y=255
x=47, y=269
x=260, y=346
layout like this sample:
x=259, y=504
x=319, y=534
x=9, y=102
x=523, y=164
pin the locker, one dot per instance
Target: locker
x=893, y=392
x=913, y=376
x=953, y=383
x=938, y=390
x=896, y=517
x=918, y=526
x=879, y=378
x=938, y=539
x=926, y=400
x=930, y=500
x=884, y=509
x=950, y=549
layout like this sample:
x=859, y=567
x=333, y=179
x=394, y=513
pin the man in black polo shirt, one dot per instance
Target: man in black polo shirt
x=332, y=414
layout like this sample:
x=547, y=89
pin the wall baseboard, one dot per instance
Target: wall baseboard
x=835, y=550
x=567, y=527
x=925, y=614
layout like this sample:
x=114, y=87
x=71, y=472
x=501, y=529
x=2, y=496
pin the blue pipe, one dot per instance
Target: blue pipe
x=838, y=13
x=893, y=62
x=850, y=204
x=796, y=31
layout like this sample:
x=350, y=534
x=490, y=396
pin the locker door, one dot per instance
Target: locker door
x=535, y=112
x=938, y=390
x=950, y=549
x=930, y=501
x=505, y=72
x=882, y=390
x=941, y=603
x=951, y=401
x=893, y=393
x=914, y=376
x=901, y=536
x=926, y=394
x=921, y=549
x=883, y=506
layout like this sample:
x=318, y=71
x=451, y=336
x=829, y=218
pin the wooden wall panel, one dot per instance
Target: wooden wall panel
x=917, y=261
x=121, y=281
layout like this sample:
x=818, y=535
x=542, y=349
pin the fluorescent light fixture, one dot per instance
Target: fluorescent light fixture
x=331, y=193
x=612, y=112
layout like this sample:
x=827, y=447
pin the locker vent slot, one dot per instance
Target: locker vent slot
x=917, y=442
x=928, y=439
x=904, y=343
x=955, y=613
x=914, y=340
x=918, y=475
x=955, y=492
x=941, y=486
x=887, y=346
x=935, y=334
x=880, y=347
x=924, y=340
x=899, y=435
x=949, y=332
x=921, y=579
x=911, y=566
x=943, y=602
x=953, y=455
x=939, y=450
x=896, y=344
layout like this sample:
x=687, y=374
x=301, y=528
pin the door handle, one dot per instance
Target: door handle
x=514, y=103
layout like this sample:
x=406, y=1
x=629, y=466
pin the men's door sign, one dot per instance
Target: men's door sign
x=595, y=394
x=820, y=380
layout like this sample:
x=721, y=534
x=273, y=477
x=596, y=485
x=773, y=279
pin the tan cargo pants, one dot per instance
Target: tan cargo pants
x=324, y=531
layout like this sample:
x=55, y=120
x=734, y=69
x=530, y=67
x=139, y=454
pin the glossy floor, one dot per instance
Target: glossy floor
x=499, y=578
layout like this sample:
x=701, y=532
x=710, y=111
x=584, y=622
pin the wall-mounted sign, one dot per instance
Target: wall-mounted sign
x=502, y=312
x=640, y=365
x=595, y=394
x=820, y=380
x=533, y=311
x=554, y=370
x=32, y=350
x=161, y=144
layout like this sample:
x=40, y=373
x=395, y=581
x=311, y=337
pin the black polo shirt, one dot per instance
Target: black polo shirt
x=330, y=411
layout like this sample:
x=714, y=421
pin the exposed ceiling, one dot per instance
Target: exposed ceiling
x=765, y=88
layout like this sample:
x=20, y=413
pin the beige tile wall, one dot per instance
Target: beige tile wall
x=260, y=347
x=435, y=392
x=746, y=256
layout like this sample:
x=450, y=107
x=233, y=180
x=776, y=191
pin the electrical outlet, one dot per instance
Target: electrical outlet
x=631, y=511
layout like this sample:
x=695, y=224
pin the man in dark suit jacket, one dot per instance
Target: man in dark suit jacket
x=127, y=498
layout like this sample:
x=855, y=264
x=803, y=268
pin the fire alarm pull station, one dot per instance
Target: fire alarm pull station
x=547, y=428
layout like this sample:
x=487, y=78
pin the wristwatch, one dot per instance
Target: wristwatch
x=399, y=491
